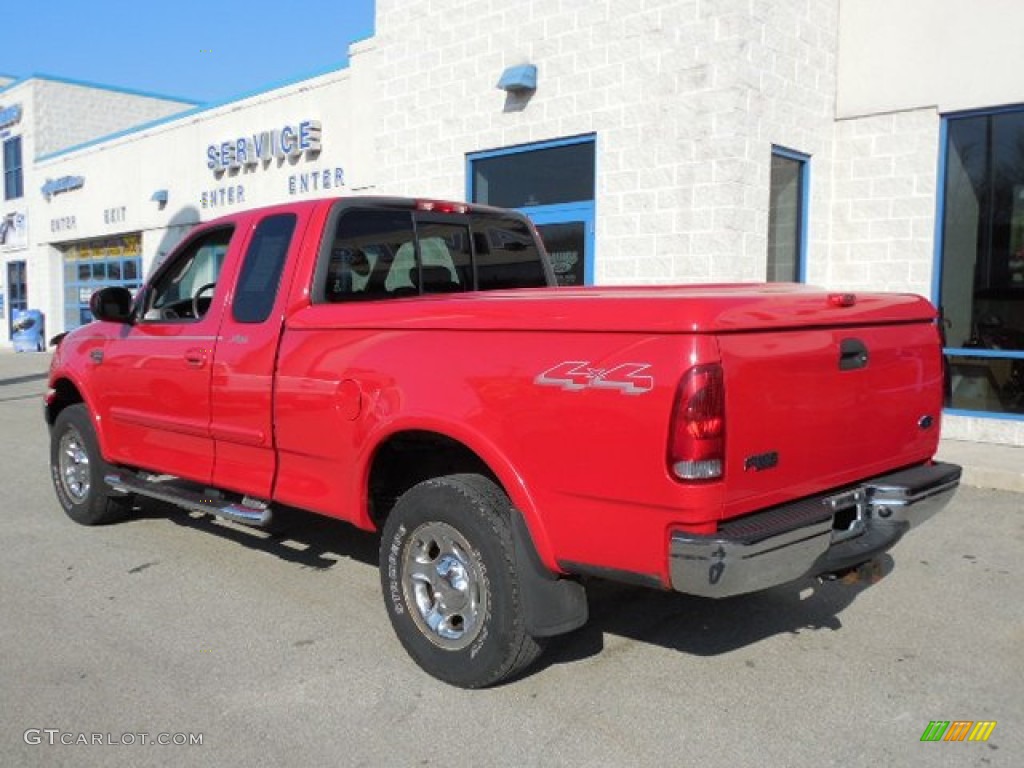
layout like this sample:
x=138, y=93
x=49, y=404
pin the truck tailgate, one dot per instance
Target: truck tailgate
x=810, y=409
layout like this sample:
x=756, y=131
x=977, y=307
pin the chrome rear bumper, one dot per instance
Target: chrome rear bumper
x=811, y=537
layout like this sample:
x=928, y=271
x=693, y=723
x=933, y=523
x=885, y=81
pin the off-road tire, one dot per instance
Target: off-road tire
x=450, y=580
x=77, y=470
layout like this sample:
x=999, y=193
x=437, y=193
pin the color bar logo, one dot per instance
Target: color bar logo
x=958, y=730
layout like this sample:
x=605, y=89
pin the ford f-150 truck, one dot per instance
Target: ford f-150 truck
x=410, y=367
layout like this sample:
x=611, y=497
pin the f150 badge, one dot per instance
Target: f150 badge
x=577, y=375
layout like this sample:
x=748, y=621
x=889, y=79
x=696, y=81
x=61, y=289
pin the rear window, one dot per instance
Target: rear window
x=381, y=253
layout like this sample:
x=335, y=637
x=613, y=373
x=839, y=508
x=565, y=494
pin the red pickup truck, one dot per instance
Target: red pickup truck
x=409, y=367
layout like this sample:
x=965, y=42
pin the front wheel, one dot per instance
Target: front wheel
x=77, y=469
x=450, y=581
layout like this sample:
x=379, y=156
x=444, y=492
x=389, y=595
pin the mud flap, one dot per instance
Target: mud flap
x=552, y=605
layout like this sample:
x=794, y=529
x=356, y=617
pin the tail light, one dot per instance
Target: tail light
x=696, y=447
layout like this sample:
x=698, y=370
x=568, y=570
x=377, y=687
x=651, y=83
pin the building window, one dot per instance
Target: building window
x=13, y=182
x=981, y=246
x=17, y=291
x=93, y=264
x=787, y=216
x=553, y=183
x=546, y=175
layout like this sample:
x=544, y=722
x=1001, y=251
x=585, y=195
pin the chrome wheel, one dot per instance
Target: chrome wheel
x=74, y=466
x=445, y=585
x=449, y=572
x=77, y=470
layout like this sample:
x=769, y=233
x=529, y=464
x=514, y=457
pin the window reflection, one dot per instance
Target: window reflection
x=538, y=177
x=982, y=281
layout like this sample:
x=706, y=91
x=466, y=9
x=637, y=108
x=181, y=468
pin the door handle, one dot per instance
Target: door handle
x=853, y=354
x=196, y=358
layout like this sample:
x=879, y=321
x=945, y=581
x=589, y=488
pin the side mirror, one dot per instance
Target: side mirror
x=113, y=304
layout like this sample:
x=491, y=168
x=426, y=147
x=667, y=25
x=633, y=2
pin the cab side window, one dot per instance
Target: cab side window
x=185, y=284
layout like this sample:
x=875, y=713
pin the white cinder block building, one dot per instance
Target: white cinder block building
x=852, y=144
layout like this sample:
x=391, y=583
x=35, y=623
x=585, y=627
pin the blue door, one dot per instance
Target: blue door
x=568, y=235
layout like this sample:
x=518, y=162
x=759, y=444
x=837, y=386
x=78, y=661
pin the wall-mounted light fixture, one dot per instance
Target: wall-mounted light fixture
x=160, y=198
x=519, y=79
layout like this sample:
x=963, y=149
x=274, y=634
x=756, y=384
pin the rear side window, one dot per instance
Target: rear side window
x=373, y=256
x=381, y=254
x=506, y=254
x=261, y=271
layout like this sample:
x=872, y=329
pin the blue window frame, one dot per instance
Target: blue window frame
x=13, y=179
x=787, y=216
x=568, y=235
x=979, y=276
x=553, y=183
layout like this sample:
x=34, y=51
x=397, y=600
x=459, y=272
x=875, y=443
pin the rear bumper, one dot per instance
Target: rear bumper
x=811, y=537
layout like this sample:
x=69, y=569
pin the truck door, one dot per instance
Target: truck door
x=242, y=417
x=152, y=382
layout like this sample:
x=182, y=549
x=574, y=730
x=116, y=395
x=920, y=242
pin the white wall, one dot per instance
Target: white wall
x=686, y=99
x=884, y=202
x=949, y=54
x=68, y=114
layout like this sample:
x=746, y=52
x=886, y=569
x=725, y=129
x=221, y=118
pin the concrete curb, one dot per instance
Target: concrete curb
x=986, y=465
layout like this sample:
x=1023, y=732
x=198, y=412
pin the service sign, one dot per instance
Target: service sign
x=263, y=146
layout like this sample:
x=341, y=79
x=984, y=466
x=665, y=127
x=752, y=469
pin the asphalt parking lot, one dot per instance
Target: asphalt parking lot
x=275, y=650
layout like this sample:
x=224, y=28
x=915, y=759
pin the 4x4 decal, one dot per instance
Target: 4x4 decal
x=577, y=375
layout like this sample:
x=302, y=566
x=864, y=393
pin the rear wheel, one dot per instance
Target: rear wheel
x=77, y=469
x=451, y=584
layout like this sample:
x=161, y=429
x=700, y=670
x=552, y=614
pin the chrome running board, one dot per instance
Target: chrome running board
x=175, y=491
